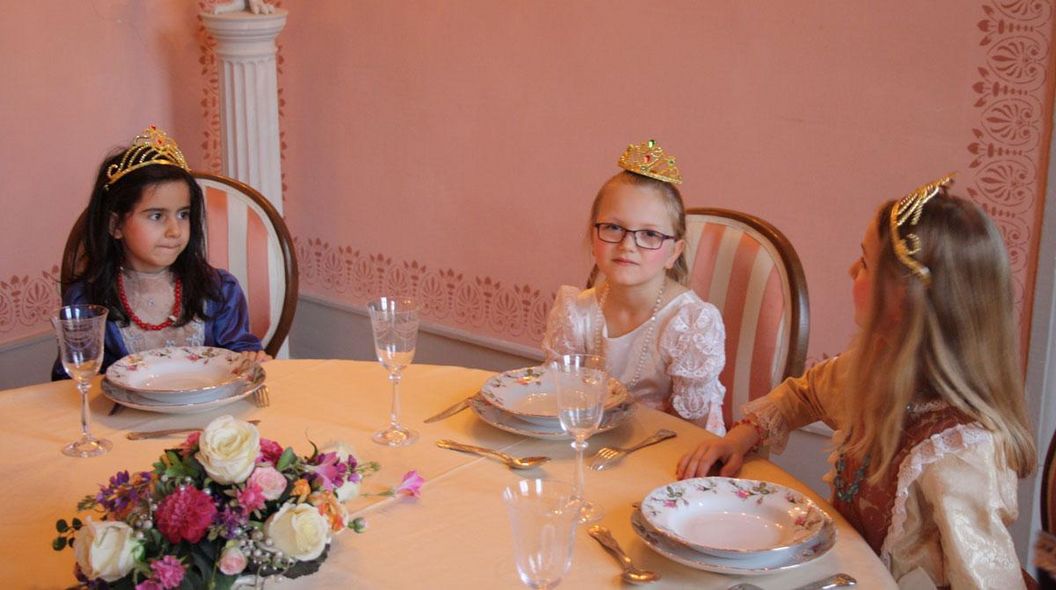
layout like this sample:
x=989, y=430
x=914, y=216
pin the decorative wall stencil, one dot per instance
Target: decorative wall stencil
x=27, y=302
x=478, y=304
x=1003, y=176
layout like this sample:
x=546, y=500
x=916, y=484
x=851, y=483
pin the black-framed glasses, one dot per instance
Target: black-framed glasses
x=650, y=239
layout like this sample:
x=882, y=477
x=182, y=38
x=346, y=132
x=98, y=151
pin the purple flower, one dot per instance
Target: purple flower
x=411, y=485
x=231, y=520
x=124, y=492
x=168, y=571
x=330, y=470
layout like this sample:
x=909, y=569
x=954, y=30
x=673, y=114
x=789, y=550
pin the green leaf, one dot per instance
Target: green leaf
x=61, y=526
x=77, y=524
x=59, y=543
x=286, y=459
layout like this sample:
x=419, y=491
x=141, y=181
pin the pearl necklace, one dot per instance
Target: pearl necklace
x=598, y=340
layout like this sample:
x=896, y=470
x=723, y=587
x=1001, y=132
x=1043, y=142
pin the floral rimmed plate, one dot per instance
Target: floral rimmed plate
x=529, y=393
x=512, y=423
x=179, y=373
x=756, y=565
x=222, y=397
x=734, y=518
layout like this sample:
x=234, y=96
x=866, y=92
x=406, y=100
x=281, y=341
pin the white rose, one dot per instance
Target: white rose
x=299, y=531
x=349, y=489
x=105, y=549
x=228, y=449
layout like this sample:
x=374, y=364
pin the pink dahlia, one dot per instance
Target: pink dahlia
x=168, y=571
x=189, y=446
x=251, y=497
x=270, y=451
x=150, y=584
x=185, y=514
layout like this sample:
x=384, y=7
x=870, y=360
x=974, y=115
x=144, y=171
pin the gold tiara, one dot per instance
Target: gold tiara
x=648, y=159
x=152, y=147
x=907, y=211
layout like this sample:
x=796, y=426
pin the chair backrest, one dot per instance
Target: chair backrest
x=1048, y=488
x=246, y=236
x=749, y=270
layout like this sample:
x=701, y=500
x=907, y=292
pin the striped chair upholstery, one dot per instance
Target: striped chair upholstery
x=247, y=236
x=749, y=270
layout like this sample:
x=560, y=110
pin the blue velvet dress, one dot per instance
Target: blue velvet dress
x=227, y=326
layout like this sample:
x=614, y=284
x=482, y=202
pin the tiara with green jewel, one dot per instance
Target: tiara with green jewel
x=649, y=159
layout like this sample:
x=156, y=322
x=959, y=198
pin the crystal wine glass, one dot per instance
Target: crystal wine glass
x=582, y=384
x=80, y=330
x=395, y=324
x=543, y=517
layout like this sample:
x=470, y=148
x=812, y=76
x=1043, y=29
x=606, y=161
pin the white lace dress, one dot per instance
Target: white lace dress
x=680, y=359
x=954, y=496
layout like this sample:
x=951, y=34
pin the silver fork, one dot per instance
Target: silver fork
x=261, y=397
x=609, y=456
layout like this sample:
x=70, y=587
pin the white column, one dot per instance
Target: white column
x=249, y=97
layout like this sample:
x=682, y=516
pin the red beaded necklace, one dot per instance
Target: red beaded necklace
x=177, y=291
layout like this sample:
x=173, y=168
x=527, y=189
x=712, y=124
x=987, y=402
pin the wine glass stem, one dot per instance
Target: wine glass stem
x=579, y=445
x=82, y=386
x=394, y=413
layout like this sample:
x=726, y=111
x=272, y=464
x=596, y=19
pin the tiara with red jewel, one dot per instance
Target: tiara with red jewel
x=152, y=147
x=649, y=159
x=907, y=211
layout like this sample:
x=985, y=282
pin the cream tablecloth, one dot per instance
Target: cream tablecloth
x=455, y=536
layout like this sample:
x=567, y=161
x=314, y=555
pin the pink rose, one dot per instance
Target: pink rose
x=232, y=561
x=271, y=483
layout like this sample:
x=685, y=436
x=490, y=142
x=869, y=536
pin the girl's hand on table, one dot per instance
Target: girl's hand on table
x=256, y=356
x=728, y=451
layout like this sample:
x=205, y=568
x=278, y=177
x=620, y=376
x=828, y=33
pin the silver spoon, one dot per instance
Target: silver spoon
x=631, y=574
x=835, y=581
x=509, y=460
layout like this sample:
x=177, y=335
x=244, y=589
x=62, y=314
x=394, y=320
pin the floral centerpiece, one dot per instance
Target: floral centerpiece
x=224, y=504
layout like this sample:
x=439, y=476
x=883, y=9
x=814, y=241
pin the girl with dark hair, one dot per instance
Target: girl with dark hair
x=657, y=336
x=142, y=255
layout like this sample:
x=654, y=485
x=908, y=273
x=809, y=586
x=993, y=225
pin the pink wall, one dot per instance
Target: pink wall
x=80, y=78
x=453, y=148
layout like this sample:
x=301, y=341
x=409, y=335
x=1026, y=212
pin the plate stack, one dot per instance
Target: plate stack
x=181, y=380
x=524, y=401
x=733, y=526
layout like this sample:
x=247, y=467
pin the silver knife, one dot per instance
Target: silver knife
x=167, y=432
x=451, y=411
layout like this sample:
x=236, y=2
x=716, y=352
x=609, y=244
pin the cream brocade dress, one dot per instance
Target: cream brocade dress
x=954, y=496
x=680, y=358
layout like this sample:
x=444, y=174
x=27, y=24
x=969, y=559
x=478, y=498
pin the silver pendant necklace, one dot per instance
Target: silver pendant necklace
x=599, y=341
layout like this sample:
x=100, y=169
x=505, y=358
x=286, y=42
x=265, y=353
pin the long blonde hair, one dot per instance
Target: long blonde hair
x=953, y=340
x=679, y=271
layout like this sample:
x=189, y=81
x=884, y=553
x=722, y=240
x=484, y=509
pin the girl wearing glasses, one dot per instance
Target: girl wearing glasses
x=658, y=337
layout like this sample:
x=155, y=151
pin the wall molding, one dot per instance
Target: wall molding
x=436, y=328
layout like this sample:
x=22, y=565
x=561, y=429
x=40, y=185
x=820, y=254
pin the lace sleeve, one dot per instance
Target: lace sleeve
x=955, y=480
x=694, y=346
x=561, y=334
x=799, y=401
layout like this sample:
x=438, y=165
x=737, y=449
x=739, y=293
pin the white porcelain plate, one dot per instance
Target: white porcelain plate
x=224, y=396
x=735, y=518
x=503, y=420
x=530, y=393
x=180, y=373
x=757, y=565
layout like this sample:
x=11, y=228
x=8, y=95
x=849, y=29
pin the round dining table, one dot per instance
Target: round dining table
x=455, y=535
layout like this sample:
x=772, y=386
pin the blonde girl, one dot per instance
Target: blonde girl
x=931, y=431
x=659, y=338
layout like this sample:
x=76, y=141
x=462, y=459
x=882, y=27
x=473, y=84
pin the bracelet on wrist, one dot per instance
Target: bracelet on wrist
x=759, y=431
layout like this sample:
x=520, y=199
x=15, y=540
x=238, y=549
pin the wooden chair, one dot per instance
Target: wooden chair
x=749, y=270
x=246, y=236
